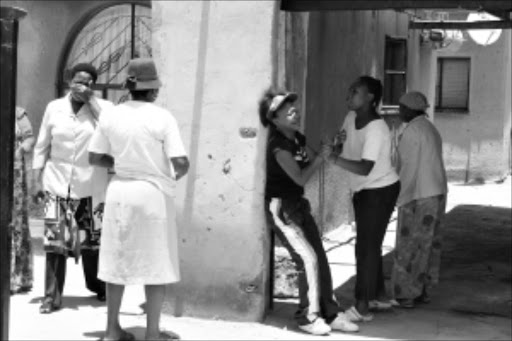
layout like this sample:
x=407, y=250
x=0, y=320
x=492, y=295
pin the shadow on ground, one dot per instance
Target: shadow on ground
x=138, y=332
x=475, y=266
x=476, y=273
x=73, y=302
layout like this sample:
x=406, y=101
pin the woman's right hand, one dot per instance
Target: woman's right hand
x=339, y=140
x=325, y=151
x=39, y=193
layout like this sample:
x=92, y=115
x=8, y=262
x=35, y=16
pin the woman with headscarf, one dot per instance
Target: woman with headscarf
x=141, y=141
x=422, y=204
x=22, y=273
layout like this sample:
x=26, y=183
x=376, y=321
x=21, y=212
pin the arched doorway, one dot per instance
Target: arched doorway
x=108, y=38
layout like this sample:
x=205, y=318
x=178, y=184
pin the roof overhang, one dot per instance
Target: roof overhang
x=353, y=5
x=499, y=8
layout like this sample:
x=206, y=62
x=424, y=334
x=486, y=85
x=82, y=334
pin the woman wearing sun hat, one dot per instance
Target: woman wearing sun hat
x=422, y=203
x=139, y=244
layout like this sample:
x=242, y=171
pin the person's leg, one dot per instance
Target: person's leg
x=287, y=219
x=387, y=198
x=50, y=277
x=55, y=275
x=89, y=247
x=90, y=267
x=302, y=282
x=363, y=219
x=155, y=295
x=405, y=246
x=372, y=208
x=328, y=305
x=114, y=298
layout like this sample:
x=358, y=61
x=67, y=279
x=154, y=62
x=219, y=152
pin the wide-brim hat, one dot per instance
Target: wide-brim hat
x=414, y=100
x=279, y=100
x=141, y=75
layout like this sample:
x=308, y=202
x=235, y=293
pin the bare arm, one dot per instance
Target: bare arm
x=95, y=107
x=363, y=167
x=101, y=160
x=300, y=176
x=180, y=165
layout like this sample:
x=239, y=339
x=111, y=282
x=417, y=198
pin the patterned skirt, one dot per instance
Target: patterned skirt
x=70, y=226
x=22, y=275
x=417, y=254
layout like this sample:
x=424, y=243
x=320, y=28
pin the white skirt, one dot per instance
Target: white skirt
x=139, y=235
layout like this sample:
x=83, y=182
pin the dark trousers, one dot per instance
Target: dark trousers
x=372, y=210
x=55, y=275
x=294, y=225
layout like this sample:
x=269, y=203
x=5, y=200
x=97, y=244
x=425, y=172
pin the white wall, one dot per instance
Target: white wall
x=476, y=144
x=215, y=59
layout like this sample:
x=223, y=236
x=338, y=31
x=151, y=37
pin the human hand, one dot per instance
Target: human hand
x=98, y=210
x=325, y=151
x=340, y=137
x=39, y=193
x=81, y=93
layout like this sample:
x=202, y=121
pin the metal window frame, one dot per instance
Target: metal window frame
x=439, y=108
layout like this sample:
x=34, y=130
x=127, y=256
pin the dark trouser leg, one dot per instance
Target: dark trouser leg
x=55, y=275
x=286, y=218
x=372, y=208
x=328, y=306
x=90, y=247
x=90, y=266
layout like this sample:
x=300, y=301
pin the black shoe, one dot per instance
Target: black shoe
x=48, y=307
x=101, y=297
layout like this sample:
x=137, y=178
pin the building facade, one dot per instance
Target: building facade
x=215, y=59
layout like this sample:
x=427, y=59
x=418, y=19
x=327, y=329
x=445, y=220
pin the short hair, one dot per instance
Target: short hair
x=84, y=67
x=264, y=106
x=374, y=86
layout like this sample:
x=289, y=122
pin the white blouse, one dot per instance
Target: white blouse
x=373, y=143
x=142, y=137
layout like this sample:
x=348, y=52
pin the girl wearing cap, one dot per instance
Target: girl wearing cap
x=290, y=164
x=421, y=203
x=366, y=154
x=139, y=242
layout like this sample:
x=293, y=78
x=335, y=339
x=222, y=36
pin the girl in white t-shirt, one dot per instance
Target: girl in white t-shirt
x=366, y=153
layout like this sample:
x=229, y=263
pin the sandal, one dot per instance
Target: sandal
x=406, y=303
x=354, y=316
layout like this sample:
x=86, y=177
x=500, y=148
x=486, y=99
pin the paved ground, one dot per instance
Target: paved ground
x=83, y=317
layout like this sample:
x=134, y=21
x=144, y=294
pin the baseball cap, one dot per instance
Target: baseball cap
x=279, y=100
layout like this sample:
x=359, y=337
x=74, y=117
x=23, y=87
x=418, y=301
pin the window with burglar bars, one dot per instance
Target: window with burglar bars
x=395, y=70
x=452, y=84
x=108, y=41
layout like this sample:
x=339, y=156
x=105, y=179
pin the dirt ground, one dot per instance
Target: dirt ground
x=471, y=303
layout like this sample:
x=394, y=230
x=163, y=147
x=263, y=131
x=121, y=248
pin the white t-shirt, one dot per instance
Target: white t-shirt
x=141, y=137
x=373, y=143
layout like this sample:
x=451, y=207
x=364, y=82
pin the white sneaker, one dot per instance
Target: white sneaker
x=342, y=323
x=354, y=316
x=317, y=327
